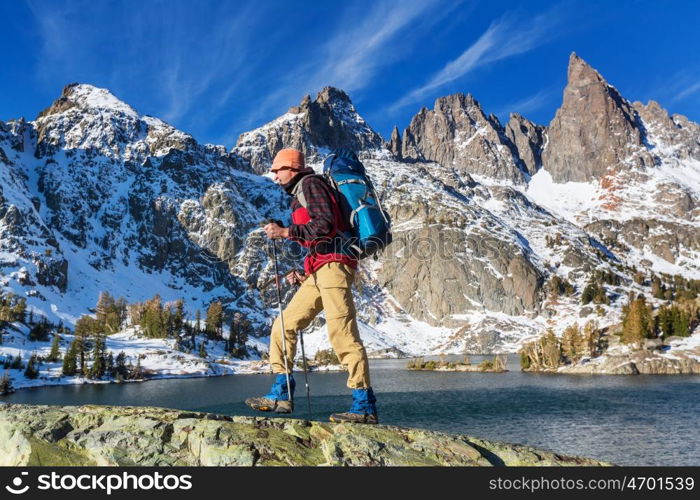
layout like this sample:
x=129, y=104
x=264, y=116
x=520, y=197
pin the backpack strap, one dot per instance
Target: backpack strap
x=298, y=191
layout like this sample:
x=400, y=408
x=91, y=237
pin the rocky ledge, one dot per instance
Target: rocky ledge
x=636, y=363
x=104, y=435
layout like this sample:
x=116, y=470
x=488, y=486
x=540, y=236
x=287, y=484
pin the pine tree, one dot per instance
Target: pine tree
x=243, y=333
x=120, y=368
x=6, y=384
x=40, y=331
x=70, y=360
x=16, y=363
x=637, y=321
x=19, y=310
x=202, y=350
x=169, y=320
x=179, y=317
x=663, y=323
x=573, y=343
x=80, y=348
x=551, y=349
x=215, y=320
x=32, y=371
x=544, y=353
x=591, y=337
x=587, y=294
x=87, y=325
x=136, y=370
x=97, y=370
x=109, y=364
x=121, y=308
x=154, y=320
x=104, y=310
x=55, y=354
x=681, y=322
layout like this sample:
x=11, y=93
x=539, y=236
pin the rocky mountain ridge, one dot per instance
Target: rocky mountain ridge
x=484, y=214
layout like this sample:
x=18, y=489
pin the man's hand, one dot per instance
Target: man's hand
x=274, y=231
x=295, y=278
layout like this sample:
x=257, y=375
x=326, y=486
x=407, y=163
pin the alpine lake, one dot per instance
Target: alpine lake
x=627, y=420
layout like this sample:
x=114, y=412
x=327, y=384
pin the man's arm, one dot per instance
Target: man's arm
x=319, y=205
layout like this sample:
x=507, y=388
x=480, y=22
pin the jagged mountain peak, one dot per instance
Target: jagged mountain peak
x=332, y=94
x=595, y=129
x=458, y=100
x=581, y=74
x=325, y=122
x=457, y=133
x=85, y=96
x=89, y=117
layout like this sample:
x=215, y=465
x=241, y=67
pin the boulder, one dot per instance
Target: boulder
x=121, y=436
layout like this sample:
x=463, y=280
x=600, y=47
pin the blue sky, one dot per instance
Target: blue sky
x=216, y=69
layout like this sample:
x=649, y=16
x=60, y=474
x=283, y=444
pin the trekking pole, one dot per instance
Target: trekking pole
x=279, y=304
x=306, y=374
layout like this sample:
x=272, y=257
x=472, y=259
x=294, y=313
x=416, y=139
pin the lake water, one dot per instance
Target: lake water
x=628, y=420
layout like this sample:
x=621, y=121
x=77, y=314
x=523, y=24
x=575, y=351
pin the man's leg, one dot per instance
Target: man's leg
x=334, y=281
x=300, y=311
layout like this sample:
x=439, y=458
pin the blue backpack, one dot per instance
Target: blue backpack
x=369, y=224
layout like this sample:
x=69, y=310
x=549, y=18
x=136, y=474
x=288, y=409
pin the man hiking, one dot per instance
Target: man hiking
x=330, y=269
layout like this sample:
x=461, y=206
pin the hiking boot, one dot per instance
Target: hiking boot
x=362, y=411
x=277, y=399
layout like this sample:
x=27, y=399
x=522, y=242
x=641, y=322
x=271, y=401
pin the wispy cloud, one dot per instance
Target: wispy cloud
x=675, y=87
x=505, y=37
x=194, y=64
x=351, y=59
x=528, y=104
x=152, y=48
x=686, y=91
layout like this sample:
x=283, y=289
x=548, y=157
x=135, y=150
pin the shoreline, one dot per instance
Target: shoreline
x=78, y=381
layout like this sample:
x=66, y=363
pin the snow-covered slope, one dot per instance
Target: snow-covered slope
x=96, y=198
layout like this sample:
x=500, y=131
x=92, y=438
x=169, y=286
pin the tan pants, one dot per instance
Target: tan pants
x=327, y=289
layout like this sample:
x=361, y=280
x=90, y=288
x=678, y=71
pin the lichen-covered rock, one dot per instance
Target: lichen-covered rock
x=103, y=435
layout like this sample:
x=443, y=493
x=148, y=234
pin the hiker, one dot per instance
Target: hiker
x=329, y=272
